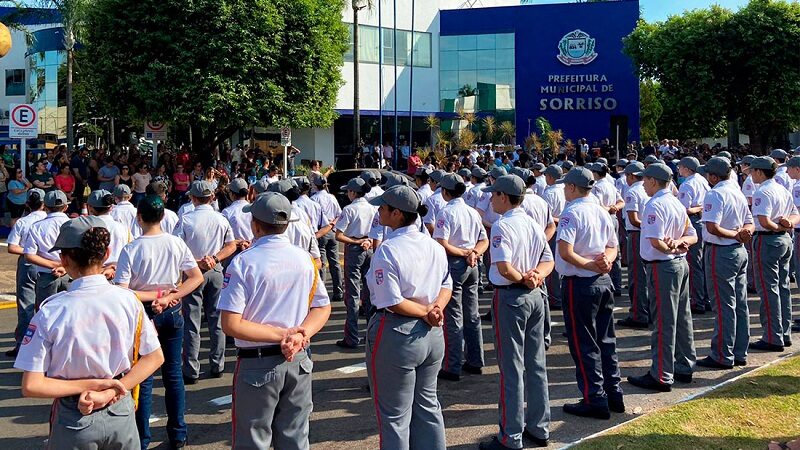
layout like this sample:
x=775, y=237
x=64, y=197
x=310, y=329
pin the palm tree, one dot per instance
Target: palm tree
x=490, y=127
x=357, y=6
x=432, y=122
x=507, y=130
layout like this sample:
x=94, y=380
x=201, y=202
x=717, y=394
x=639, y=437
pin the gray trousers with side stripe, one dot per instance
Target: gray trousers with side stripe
x=204, y=300
x=672, y=334
x=553, y=281
x=638, y=293
x=48, y=285
x=726, y=280
x=26, y=297
x=404, y=356
x=356, y=265
x=113, y=427
x=329, y=248
x=462, y=320
x=698, y=295
x=272, y=402
x=771, y=254
x=616, y=265
x=519, y=317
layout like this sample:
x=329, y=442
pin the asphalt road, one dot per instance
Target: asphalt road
x=343, y=416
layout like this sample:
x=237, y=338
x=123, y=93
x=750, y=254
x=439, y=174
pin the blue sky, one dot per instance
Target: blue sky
x=654, y=10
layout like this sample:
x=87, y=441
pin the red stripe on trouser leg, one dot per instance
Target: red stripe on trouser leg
x=659, y=326
x=575, y=339
x=445, y=362
x=764, y=294
x=496, y=316
x=635, y=263
x=233, y=405
x=375, y=378
x=719, y=299
x=53, y=410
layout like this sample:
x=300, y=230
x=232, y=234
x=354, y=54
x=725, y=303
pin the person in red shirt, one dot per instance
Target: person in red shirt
x=414, y=162
x=65, y=182
x=183, y=157
x=180, y=186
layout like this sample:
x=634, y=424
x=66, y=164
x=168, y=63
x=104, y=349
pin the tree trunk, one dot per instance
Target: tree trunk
x=356, y=107
x=70, y=120
x=733, y=133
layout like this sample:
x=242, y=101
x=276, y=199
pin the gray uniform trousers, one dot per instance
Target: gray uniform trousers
x=26, y=296
x=697, y=281
x=751, y=279
x=329, y=248
x=519, y=342
x=356, y=265
x=48, y=284
x=726, y=280
x=462, y=320
x=203, y=300
x=638, y=293
x=272, y=402
x=553, y=282
x=671, y=332
x=403, y=356
x=616, y=267
x=109, y=428
x=771, y=254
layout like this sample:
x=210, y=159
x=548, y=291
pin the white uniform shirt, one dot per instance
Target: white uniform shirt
x=484, y=205
x=272, y=283
x=537, y=209
x=154, y=262
x=378, y=231
x=606, y=192
x=541, y=183
x=395, y=272
x=19, y=232
x=86, y=332
x=749, y=187
x=590, y=230
x=471, y=196
x=459, y=225
x=693, y=190
x=120, y=237
x=782, y=177
x=375, y=191
x=312, y=210
x=168, y=224
x=204, y=231
x=795, y=199
x=554, y=196
x=355, y=221
x=42, y=236
x=773, y=201
x=622, y=185
x=240, y=221
x=424, y=192
x=664, y=216
x=329, y=207
x=124, y=213
x=301, y=234
x=185, y=208
x=727, y=206
x=518, y=240
x=435, y=203
x=635, y=201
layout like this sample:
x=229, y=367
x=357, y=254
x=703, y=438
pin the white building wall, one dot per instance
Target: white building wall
x=15, y=59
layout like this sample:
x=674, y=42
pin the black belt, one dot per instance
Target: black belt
x=260, y=352
x=769, y=233
x=695, y=215
x=723, y=245
x=512, y=286
x=351, y=237
x=660, y=260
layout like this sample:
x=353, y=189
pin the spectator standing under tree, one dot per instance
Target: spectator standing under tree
x=107, y=175
x=80, y=168
x=65, y=182
x=17, y=196
x=140, y=181
x=41, y=178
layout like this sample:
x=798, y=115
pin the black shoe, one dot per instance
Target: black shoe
x=449, y=376
x=584, y=409
x=344, y=344
x=683, y=378
x=215, y=374
x=765, y=346
x=796, y=328
x=189, y=380
x=698, y=311
x=709, y=308
x=536, y=441
x=787, y=342
x=480, y=291
x=751, y=290
x=487, y=317
x=740, y=362
x=494, y=444
x=555, y=307
x=12, y=353
x=713, y=364
x=616, y=404
x=472, y=369
x=177, y=444
x=647, y=381
x=362, y=312
x=630, y=323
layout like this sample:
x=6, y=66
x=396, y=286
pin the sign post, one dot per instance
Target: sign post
x=23, y=124
x=286, y=142
x=155, y=131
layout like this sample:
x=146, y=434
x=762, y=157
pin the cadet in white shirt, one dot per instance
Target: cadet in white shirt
x=61, y=356
x=793, y=169
x=377, y=231
x=39, y=242
x=372, y=179
x=300, y=231
x=471, y=196
x=638, y=292
x=208, y=235
x=123, y=212
x=665, y=239
x=170, y=220
x=587, y=246
x=328, y=245
x=521, y=260
x=781, y=175
x=435, y=202
x=26, y=272
x=460, y=231
x=483, y=205
x=534, y=205
x=554, y=196
x=748, y=189
x=775, y=216
x=152, y=266
x=99, y=204
x=466, y=175
x=610, y=200
x=728, y=224
x=691, y=194
x=238, y=219
x=621, y=184
x=405, y=345
x=352, y=229
x=540, y=182
x=272, y=303
x=421, y=179
x=311, y=208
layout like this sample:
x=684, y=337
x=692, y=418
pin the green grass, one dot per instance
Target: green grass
x=746, y=414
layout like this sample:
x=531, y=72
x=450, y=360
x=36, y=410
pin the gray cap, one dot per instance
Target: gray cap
x=450, y=180
x=71, y=233
x=763, y=163
x=690, y=162
x=282, y=187
x=369, y=175
x=567, y=165
x=422, y=170
x=525, y=174
x=725, y=154
x=554, y=171
x=478, y=172
x=579, y=176
x=302, y=182
x=778, y=154
x=36, y=191
x=399, y=197
x=394, y=179
x=538, y=167
x=794, y=161
x=121, y=190
x=507, y=184
x=95, y=199
x=320, y=181
x=260, y=186
x=437, y=175
x=622, y=162
x=635, y=168
x=650, y=159
x=717, y=165
x=237, y=185
x=272, y=208
x=54, y=199
x=201, y=189
x=602, y=161
x=595, y=167
x=356, y=185
x=659, y=171
x=464, y=173
x=748, y=159
x=498, y=172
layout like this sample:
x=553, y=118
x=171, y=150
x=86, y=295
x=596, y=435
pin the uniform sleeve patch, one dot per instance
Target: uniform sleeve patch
x=440, y=223
x=758, y=201
x=651, y=219
x=29, y=334
x=496, y=241
x=379, y=276
x=226, y=280
x=628, y=199
x=564, y=221
x=707, y=207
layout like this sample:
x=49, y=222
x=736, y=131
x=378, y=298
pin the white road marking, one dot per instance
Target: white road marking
x=555, y=323
x=154, y=419
x=353, y=369
x=222, y=401
x=618, y=308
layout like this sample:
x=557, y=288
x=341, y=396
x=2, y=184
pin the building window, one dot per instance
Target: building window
x=15, y=82
x=369, y=46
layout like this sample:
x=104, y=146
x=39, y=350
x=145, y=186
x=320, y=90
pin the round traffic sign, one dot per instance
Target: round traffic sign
x=23, y=116
x=155, y=126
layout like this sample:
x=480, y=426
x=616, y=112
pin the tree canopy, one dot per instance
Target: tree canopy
x=218, y=65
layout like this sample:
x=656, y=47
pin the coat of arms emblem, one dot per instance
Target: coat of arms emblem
x=576, y=48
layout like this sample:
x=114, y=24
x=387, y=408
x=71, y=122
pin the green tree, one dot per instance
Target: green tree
x=218, y=65
x=650, y=109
